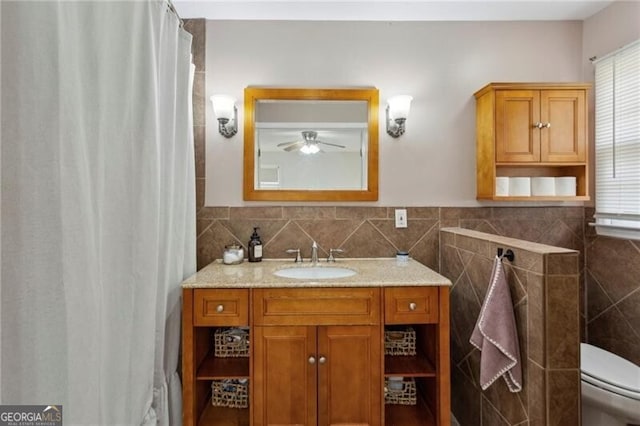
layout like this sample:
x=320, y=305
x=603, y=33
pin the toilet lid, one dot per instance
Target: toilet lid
x=609, y=369
x=611, y=389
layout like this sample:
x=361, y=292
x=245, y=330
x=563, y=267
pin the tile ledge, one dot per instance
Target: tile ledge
x=509, y=242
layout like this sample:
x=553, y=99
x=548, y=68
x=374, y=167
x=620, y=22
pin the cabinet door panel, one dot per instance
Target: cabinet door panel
x=284, y=382
x=350, y=384
x=565, y=139
x=517, y=139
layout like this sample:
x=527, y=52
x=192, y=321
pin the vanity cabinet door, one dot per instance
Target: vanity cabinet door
x=349, y=371
x=306, y=375
x=284, y=376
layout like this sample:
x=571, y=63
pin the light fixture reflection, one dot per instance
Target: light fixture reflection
x=310, y=148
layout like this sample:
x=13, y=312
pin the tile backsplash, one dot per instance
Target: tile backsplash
x=360, y=231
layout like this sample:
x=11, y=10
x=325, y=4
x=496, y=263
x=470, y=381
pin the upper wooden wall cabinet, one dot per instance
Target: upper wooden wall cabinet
x=531, y=129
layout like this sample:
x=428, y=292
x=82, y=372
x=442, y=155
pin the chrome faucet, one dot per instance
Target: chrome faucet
x=331, y=251
x=298, y=258
x=314, y=253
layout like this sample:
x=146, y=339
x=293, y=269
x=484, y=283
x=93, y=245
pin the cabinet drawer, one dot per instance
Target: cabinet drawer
x=411, y=305
x=221, y=307
x=316, y=306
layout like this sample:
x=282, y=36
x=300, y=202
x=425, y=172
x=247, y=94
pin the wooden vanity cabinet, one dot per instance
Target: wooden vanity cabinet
x=530, y=130
x=317, y=355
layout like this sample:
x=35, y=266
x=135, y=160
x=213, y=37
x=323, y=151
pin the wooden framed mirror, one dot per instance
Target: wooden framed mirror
x=310, y=144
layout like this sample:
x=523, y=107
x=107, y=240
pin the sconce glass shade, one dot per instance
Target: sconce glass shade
x=223, y=106
x=397, y=113
x=399, y=106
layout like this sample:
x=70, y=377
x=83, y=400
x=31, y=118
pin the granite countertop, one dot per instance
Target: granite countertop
x=379, y=272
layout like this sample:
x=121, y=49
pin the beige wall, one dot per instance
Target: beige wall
x=441, y=64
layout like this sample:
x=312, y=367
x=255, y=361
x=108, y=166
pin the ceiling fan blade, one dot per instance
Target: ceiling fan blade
x=289, y=143
x=294, y=147
x=332, y=144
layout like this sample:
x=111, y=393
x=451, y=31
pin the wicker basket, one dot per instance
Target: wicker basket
x=405, y=396
x=231, y=342
x=400, y=341
x=230, y=393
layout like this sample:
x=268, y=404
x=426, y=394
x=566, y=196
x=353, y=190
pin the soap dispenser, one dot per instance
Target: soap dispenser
x=255, y=247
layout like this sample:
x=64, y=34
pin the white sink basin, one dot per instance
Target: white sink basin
x=315, y=273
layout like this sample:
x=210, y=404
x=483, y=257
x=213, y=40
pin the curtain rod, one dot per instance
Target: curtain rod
x=595, y=59
x=175, y=12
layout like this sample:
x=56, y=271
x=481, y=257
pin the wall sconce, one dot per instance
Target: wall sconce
x=224, y=107
x=397, y=113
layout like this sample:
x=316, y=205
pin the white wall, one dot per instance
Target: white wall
x=441, y=64
x=613, y=27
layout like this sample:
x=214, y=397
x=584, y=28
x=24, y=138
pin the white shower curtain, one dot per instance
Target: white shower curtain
x=98, y=220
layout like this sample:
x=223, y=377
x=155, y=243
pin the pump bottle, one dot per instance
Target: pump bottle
x=255, y=247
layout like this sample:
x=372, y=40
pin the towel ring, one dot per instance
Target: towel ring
x=508, y=254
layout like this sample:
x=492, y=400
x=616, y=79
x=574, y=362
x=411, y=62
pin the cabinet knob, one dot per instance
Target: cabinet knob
x=312, y=360
x=412, y=306
x=547, y=125
x=322, y=360
x=220, y=309
x=538, y=125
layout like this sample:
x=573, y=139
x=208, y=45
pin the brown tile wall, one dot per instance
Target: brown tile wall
x=544, y=289
x=613, y=293
x=198, y=29
x=370, y=231
x=360, y=231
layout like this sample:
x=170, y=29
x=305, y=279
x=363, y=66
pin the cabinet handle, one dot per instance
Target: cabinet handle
x=538, y=125
x=220, y=309
x=322, y=360
x=412, y=306
x=312, y=360
x=547, y=125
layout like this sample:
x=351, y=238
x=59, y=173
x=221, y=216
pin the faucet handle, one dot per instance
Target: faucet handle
x=331, y=251
x=298, y=258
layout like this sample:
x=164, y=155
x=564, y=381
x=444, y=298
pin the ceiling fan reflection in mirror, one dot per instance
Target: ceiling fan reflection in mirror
x=308, y=144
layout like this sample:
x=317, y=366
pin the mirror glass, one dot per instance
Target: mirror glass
x=311, y=144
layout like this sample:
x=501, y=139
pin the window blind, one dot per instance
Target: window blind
x=617, y=140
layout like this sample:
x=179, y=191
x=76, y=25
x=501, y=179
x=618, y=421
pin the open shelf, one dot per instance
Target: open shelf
x=224, y=416
x=409, y=415
x=213, y=368
x=408, y=366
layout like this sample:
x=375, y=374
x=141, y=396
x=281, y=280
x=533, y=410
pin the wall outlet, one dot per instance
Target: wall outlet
x=401, y=218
